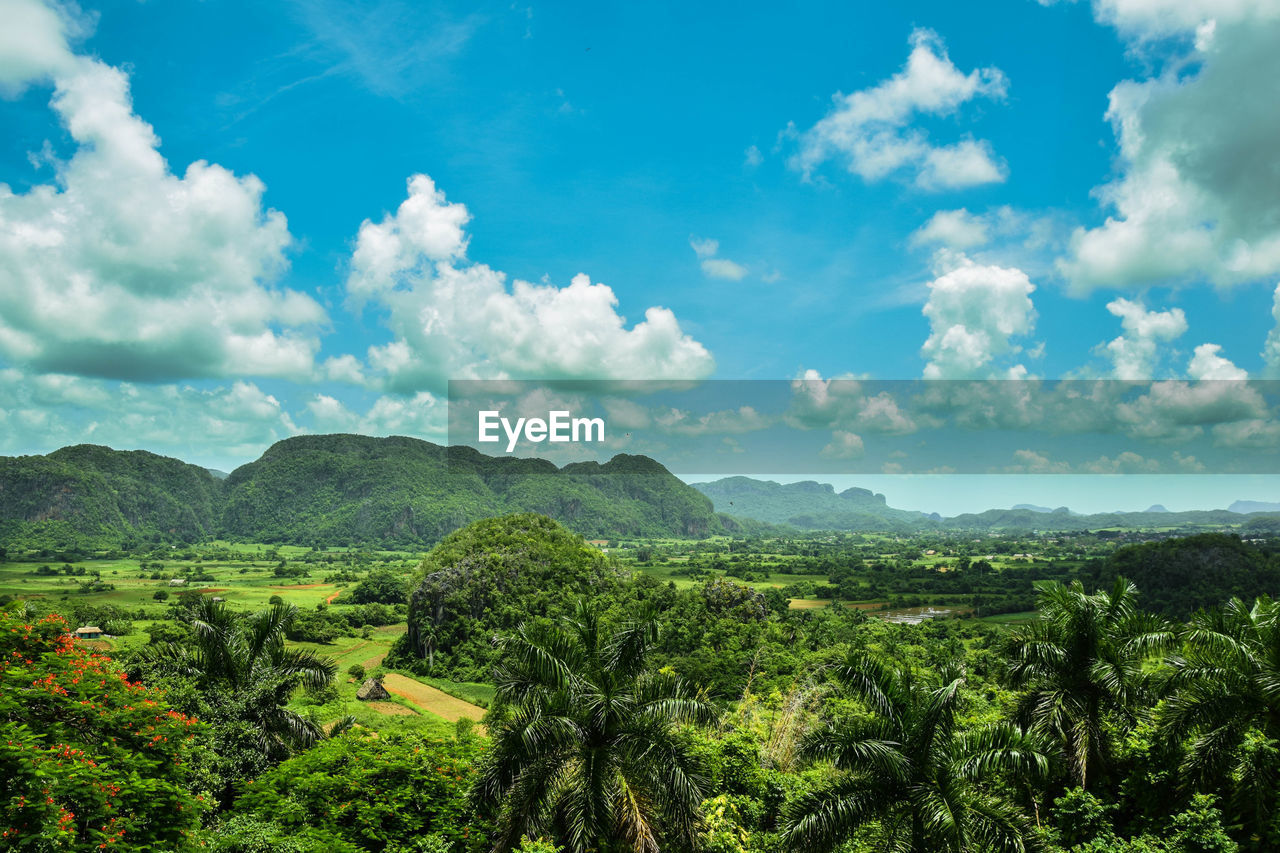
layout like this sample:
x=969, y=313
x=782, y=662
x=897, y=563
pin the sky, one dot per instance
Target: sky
x=222, y=224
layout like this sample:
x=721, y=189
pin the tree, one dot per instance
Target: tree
x=89, y=758
x=245, y=656
x=381, y=586
x=585, y=746
x=907, y=765
x=1080, y=664
x=1223, y=706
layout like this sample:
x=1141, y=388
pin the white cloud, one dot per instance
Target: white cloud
x=344, y=368
x=752, y=157
x=737, y=421
x=1178, y=410
x=974, y=310
x=953, y=229
x=221, y=425
x=1149, y=19
x=1133, y=354
x=723, y=268
x=843, y=445
x=122, y=269
x=420, y=416
x=1198, y=167
x=1271, y=349
x=870, y=130
x=1036, y=462
x=841, y=403
x=712, y=266
x=1259, y=433
x=1127, y=462
x=455, y=319
x=1206, y=363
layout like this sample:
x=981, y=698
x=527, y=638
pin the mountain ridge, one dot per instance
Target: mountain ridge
x=333, y=490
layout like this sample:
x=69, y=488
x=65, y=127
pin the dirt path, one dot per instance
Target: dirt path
x=430, y=699
x=330, y=599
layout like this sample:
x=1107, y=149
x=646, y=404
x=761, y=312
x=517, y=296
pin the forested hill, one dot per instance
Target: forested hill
x=811, y=506
x=86, y=494
x=332, y=489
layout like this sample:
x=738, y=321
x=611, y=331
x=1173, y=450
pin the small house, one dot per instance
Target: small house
x=178, y=582
x=88, y=632
x=372, y=690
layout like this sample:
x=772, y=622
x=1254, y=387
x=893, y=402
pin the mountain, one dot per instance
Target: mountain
x=332, y=490
x=1156, y=508
x=342, y=488
x=1254, y=506
x=810, y=505
x=88, y=495
x=817, y=506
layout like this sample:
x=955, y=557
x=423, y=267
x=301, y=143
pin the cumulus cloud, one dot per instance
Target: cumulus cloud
x=121, y=268
x=712, y=266
x=843, y=445
x=222, y=425
x=952, y=229
x=974, y=311
x=1133, y=354
x=751, y=158
x=420, y=416
x=871, y=130
x=1036, y=462
x=1198, y=167
x=455, y=319
x=1180, y=411
x=842, y=403
x=1206, y=363
x=1149, y=19
x=1271, y=349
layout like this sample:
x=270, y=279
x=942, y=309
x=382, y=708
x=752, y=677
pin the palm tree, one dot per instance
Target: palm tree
x=1223, y=705
x=1081, y=664
x=585, y=744
x=239, y=655
x=908, y=766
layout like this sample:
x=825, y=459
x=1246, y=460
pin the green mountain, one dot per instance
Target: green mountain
x=86, y=496
x=402, y=491
x=811, y=506
x=331, y=490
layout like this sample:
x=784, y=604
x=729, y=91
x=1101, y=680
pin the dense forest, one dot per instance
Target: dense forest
x=1134, y=711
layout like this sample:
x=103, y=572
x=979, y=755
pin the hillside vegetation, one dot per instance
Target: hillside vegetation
x=331, y=490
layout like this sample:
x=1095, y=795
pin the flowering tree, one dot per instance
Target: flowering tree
x=90, y=759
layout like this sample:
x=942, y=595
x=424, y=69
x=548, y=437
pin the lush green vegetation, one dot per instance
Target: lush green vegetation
x=733, y=693
x=329, y=490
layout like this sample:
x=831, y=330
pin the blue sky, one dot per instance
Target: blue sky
x=885, y=190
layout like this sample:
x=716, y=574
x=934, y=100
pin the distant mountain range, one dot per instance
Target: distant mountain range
x=402, y=492
x=817, y=506
x=1254, y=506
x=333, y=490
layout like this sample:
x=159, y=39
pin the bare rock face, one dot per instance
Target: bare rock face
x=372, y=691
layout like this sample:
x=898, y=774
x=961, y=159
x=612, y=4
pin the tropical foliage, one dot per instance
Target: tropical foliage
x=90, y=759
x=585, y=744
x=906, y=763
x=1081, y=666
